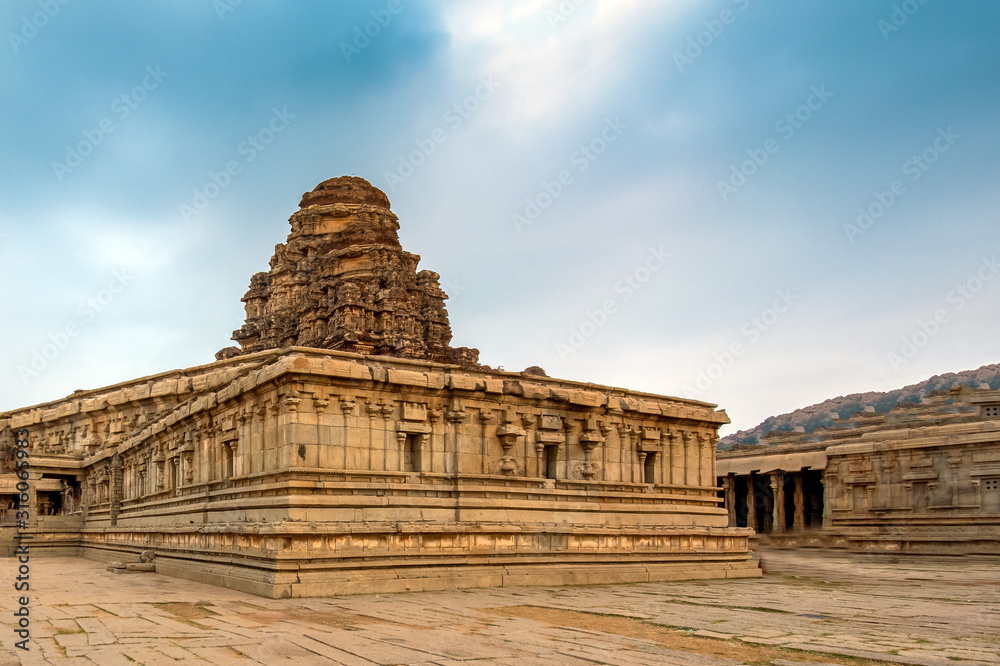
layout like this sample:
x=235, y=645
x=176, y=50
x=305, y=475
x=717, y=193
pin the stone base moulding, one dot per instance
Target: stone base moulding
x=391, y=569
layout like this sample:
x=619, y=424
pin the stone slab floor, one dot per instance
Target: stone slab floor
x=818, y=608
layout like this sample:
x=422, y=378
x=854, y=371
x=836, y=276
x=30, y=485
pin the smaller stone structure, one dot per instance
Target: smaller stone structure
x=922, y=478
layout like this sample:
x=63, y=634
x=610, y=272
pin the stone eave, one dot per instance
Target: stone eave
x=392, y=370
x=917, y=438
x=132, y=383
x=985, y=397
x=791, y=461
x=780, y=449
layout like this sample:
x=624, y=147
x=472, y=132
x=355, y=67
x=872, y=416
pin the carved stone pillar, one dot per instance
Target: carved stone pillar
x=455, y=415
x=767, y=517
x=235, y=468
x=66, y=495
x=115, y=489
x=705, y=477
x=729, y=490
x=689, y=474
x=401, y=446
x=159, y=461
x=258, y=448
x=627, y=464
x=954, y=465
x=589, y=440
x=713, y=443
x=829, y=492
x=751, y=503
x=778, y=490
x=800, y=507
x=822, y=495
x=486, y=419
x=673, y=468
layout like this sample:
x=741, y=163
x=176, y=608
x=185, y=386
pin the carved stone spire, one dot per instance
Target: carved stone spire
x=342, y=281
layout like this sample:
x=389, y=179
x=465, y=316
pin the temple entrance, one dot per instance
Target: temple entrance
x=812, y=496
x=776, y=501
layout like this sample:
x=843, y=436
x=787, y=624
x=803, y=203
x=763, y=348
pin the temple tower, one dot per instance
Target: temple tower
x=342, y=281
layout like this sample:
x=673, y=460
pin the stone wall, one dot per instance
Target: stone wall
x=920, y=479
x=933, y=489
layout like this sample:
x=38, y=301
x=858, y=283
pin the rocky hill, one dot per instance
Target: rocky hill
x=824, y=413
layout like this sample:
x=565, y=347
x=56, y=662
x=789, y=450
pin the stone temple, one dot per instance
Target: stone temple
x=345, y=446
x=921, y=479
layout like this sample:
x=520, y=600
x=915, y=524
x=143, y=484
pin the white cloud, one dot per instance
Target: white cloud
x=549, y=71
x=107, y=244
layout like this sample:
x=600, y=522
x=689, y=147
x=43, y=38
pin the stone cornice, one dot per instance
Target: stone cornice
x=202, y=387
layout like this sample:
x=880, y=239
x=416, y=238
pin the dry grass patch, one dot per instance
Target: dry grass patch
x=187, y=612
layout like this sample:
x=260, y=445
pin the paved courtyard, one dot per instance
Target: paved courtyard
x=808, y=608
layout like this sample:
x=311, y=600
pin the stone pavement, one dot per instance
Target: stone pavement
x=809, y=608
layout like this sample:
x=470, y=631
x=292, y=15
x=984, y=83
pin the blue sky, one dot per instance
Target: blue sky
x=761, y=205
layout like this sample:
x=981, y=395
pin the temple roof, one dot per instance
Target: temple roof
x=345, y=190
